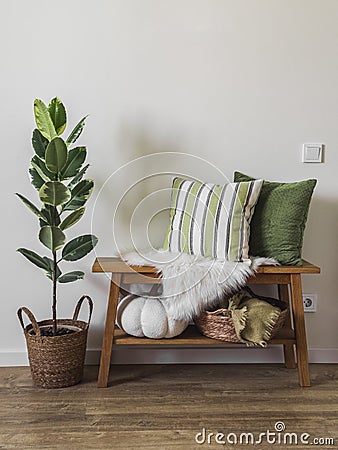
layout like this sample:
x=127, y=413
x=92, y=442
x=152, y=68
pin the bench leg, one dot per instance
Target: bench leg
x=299, y=325
x=108, y=336
x=289, y=354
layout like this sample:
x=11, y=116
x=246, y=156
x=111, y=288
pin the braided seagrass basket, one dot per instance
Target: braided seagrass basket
x=57, y=361
x=219, y=324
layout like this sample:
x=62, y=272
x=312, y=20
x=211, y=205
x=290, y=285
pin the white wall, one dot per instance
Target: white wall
x=240, y=83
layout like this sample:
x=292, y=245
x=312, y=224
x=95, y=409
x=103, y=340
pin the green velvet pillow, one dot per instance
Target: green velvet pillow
x=278, y=223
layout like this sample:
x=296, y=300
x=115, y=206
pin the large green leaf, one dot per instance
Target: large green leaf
x=34, y=258
x=43, y=120
x=41, y=169
x=76, y=157
x=39, y=143
x=71, y=276
x=54, y=193
x=52, y=237
x=78, y=177
x=50, y=271
x=36, y=180
x=57, y=113
x=79, y=247
x=30, y=205
x=76, y=132
x=50, y=215
x=71, y=220
x=80, y=194
x=56, y=155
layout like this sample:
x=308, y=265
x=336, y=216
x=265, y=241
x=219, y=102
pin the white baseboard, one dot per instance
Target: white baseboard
x=15, y=358
x=146, y=355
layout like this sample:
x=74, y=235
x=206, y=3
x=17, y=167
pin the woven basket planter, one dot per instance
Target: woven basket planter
x=57, y=361
x=219, y=325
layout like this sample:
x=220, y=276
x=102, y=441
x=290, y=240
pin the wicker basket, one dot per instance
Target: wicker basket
x=219, y=325
x=57, y=361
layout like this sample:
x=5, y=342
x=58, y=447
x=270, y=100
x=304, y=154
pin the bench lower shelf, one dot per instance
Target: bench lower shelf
x=192, y=337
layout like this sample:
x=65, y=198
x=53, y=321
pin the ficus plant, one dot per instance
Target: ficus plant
x=56, y=171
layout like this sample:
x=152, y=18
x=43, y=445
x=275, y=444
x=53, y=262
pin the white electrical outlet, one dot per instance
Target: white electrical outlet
x=310, y=302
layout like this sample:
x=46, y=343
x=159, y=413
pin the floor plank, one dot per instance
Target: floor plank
x=164, y=407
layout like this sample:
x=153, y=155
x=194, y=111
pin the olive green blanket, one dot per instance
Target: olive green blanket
x=253, y=319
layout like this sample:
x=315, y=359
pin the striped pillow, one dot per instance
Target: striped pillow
x=210, y=219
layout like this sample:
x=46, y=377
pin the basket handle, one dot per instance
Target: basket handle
x=78, y=307
x=282, y=305
x=219, y=312
x=31, y=317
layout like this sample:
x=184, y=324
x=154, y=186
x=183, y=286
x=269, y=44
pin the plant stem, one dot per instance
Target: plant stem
x=54, y=293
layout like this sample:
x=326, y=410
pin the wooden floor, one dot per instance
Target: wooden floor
x=164, y=406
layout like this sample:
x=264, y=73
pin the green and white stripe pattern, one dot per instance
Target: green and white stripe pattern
x=212, y=220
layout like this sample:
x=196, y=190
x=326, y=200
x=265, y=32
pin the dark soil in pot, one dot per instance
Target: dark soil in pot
x=59, y=332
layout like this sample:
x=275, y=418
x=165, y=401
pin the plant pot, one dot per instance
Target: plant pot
x=57, y=361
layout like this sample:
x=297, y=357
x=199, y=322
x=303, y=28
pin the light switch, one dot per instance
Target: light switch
x=312, y=153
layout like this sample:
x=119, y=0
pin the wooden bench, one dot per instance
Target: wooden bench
x=287, y=278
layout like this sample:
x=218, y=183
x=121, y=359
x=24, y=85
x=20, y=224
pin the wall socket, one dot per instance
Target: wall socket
x=310, y=302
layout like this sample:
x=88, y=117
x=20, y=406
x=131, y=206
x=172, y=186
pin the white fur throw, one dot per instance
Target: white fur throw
x=192, y=284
